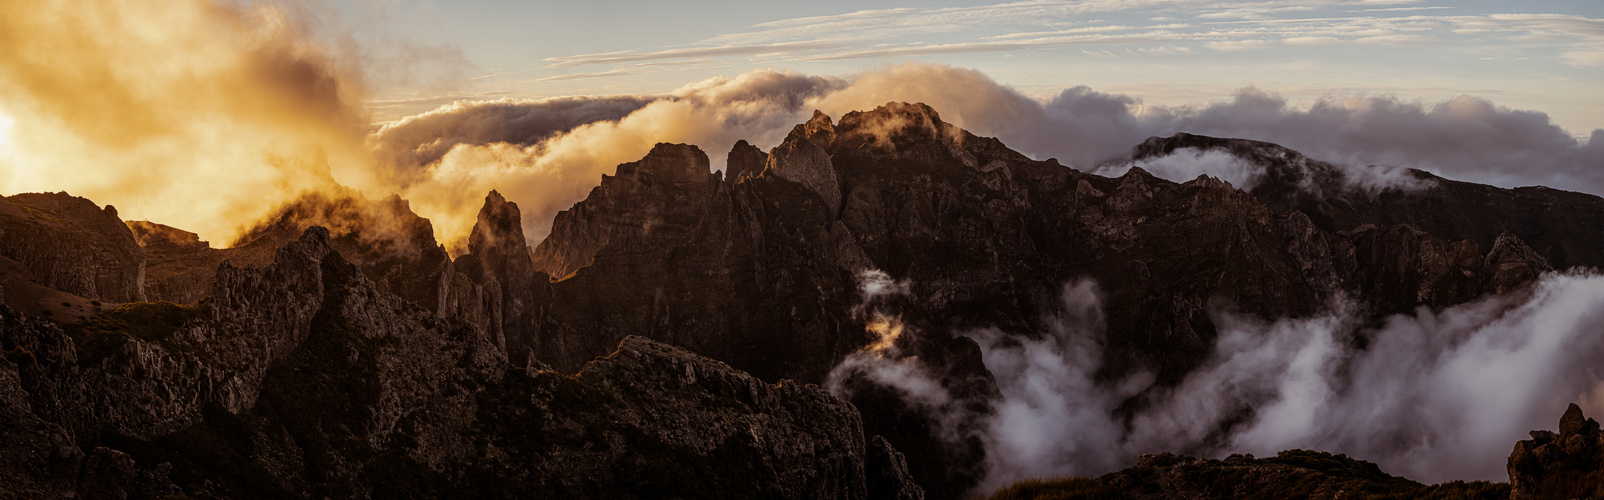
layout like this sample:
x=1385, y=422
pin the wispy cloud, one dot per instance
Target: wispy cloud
x=695, y=53
x=1184, y=27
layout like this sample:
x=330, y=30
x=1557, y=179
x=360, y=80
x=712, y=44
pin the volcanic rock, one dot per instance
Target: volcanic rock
x=1569, y=464
x=70, y=244
x=304, y=379
x=1289, y=474
x=744, y=160
x=1565, y=228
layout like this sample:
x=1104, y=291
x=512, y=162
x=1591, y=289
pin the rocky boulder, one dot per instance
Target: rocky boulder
x=1569, y=464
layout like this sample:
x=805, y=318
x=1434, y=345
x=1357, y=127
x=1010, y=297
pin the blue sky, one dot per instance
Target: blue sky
x=1546, y=56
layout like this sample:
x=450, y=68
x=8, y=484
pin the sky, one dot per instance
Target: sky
x=1542, y=55
x=210, y=115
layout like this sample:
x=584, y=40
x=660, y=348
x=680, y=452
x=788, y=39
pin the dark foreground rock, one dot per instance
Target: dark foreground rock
x=1567, y=464
x=1289, y=474
x=302, y=379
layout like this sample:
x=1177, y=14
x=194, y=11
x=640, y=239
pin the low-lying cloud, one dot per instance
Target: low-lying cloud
x=207, y=116
x=1433, y=396
x=546, y=155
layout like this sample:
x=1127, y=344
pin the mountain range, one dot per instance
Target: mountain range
x=686, y=333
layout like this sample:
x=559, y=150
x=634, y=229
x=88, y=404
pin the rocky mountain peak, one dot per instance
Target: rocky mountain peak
x=817, y=129
x=896, y=120
x=744, y=160
x=675, y=163
x=804, y=159
x=499, y=227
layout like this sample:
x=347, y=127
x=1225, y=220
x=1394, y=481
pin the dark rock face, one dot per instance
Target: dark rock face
x=744, y=160
x=654, y=198
x=179, y=266
x=70, y=244
x=363, y=361
x=304, y=379
x=761, y=271
x=1565, y=228
x=499, y=262
x=1569, y=464
x=1289, y=474
x=888, y=473
x=38, y=458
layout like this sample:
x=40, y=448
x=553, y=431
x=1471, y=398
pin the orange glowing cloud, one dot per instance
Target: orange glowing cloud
x=192, y=113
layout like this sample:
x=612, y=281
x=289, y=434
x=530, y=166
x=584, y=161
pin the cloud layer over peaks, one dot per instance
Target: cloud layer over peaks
x=546, y=154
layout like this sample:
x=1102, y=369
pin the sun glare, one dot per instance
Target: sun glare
x=6, y=124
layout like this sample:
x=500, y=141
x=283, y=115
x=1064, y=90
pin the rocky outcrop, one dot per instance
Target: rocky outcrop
x=744, y=160
x=179, y=267
x=38, y=458
x=1565, y=228
x=71, y=244
x=802, y=159
x=147, y=369
x=1289, y=474
x=660, y=197
x=306, y=379
x=498, y=261
x=1567, y=464
x=1402, y=267
x=762, y=272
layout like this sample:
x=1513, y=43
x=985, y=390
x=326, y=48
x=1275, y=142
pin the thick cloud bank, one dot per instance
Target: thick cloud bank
x=546, y=155
x=1432, y=396
x=193, y=113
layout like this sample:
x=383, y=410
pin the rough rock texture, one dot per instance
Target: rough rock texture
x=744, y=160
x=147, y=369
x=654, y=198
x=384, y=238
x=1565, y=228
x=38, y=458
x=1401, y=267
x=762, y=271
x=305, y=379
x=1289, y=474
x=888, y=473
x=759, y=269
x=803, y=159
x=498, y=262
x=1569, y=464
x=179, y=267
x=70, y=244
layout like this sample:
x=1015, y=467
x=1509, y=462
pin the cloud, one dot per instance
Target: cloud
x=194, y=113
x=1223, y=26
x=411, y=143
x=1189, y=163
x=1434, y=396
x=547, y=154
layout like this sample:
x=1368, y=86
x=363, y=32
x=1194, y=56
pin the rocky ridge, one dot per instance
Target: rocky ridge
x=761, y=269
x=72, y=245
x=1563, y=227
x=767, y=263
x=304, y=379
